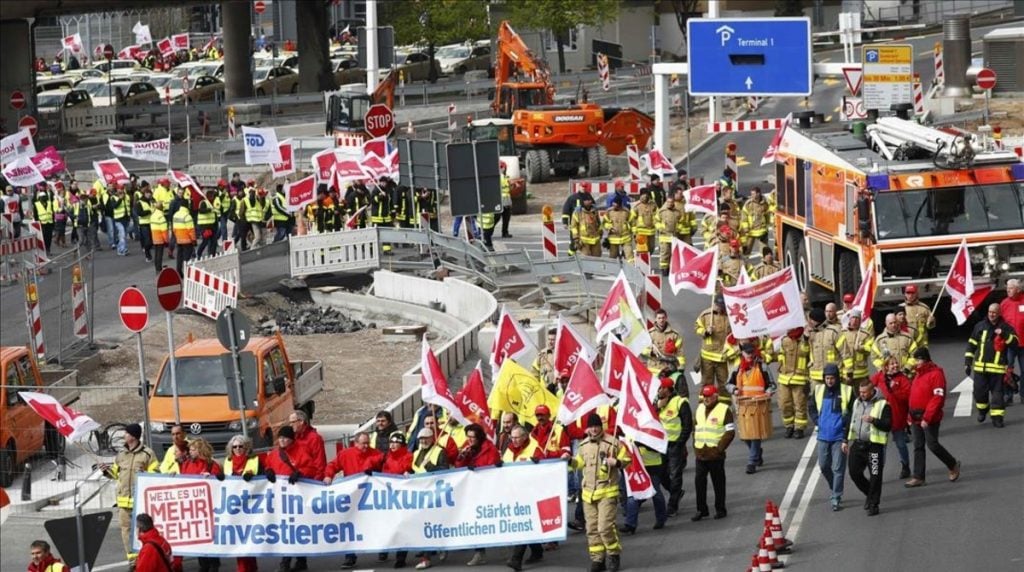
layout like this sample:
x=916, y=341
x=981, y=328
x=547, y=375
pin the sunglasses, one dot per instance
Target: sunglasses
x=238, y=446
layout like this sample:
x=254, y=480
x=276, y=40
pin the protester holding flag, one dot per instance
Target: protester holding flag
x=714, y=430
x=713, y=327
x=751, y=380
x=919, y=316
x=991, y=352
x=665, y=343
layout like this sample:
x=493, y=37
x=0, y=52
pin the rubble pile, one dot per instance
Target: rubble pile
x=305, y=319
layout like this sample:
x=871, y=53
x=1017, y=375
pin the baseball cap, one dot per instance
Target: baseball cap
x=709, y=390
x=848, y=298
x=911, y=289
x=542, y=410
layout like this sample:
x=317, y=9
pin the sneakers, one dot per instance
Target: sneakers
x=954, y=473
x=423, y=564
x=477, y=560
x=915, y=482
x=904, y=470
x=837, y=504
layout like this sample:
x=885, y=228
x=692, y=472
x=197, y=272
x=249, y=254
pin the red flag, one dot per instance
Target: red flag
x=960, y=280
x=617, y=358
x=609, y=315
x=48, y=161
x=353, y=221
x=323, y=165
x=348, y=171
x=434, y=386
x=865, y=298
x=773, y=148
x=111, y=171
x=165, y=46
x=570, y=346
x=637, y=418
x=964, y=307
x=510, y=341
x=702, y=199
x=691, y=269
x=287, y=165
x=582, y=395
x=768, y=307
x=74, y=426
x=638, y=481
x=658, y=163
x=472, y=401
x=180, y=41
x=183, y=180
x=300, y=193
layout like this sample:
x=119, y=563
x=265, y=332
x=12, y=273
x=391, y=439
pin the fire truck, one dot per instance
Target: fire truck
x=900, y=196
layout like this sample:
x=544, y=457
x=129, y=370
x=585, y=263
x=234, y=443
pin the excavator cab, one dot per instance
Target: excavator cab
x=515, y=96
x=345, y=111
x=500, y=130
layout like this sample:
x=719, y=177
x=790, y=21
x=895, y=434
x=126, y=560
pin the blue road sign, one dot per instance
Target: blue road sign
x=740, y=57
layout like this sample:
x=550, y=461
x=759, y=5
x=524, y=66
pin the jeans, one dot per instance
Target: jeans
x=900, y=439
x=753, y=451
x=471, y=224
x=122, y=238
x=222, y=227
x=633, y=505
x=281, y=232
x=109, y=225
x=929, y=436
x=832, y=463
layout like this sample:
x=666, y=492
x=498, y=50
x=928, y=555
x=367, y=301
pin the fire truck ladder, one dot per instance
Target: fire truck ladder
x=897, y=138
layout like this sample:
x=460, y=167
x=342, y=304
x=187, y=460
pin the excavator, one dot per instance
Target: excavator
x=551, y=137
x=346, y=107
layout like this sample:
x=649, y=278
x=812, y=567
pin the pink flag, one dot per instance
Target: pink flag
x=610, y=314
x=964, y=307
x=617, y=357
x=111, y=171
x=287, y=165
x=638, y=481
x=48, y=161
x=702, y=199
x=773, y=147
x=434, y=386
x=583, y=394
x=636, y=415
x=510, y=342
x=472, y=402
x=183, y=179
x=691, y=269
x=570, y=346
x=865, y=298
x=353, y=221
x=73, y=43
x=658, y=163
x=300, y=193
x=73, y=425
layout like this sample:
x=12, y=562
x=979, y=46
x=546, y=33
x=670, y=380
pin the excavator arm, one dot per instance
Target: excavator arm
x=515, y=61
x=385, y=92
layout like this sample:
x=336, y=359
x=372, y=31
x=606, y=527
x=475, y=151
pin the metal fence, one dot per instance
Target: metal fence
x=930, y=13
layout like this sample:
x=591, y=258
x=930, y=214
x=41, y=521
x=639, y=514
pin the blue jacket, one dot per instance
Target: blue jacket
x=833, y=420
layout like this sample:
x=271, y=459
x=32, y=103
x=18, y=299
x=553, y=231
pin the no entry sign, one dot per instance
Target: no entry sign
x=133, y=309
x=168, y=289
x=17, y=99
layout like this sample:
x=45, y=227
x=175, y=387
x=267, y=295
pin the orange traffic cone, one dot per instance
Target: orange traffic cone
x=769, y=545
x=782, y=544
x=767, y=515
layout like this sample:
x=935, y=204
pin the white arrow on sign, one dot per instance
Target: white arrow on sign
x=965, y=401
x=749, y=82
x=854, y=79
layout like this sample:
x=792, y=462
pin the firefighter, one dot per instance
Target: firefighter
x=722, y=233
x=768, y=265
x=380, y=211
x=918, y=315
x=731, y=266
x=727, y=196
x=585, y=229
x=687, y=220
x=866, y=323
x=677, y=418
x=206, y=220
x=669, y=222
x=575, y=202
x=893, y=343
x=426, y=207
x=793, y=354
x=755, y=220
x=619, y=230
x=506, y=200
x=854, y=349
x=284, y=221
x=665, y=343
x=133, y=459
x=822, y=342
x=990, y=355
x=642, y=218
x=544, y=365
x=357, y=197
x=713, y=327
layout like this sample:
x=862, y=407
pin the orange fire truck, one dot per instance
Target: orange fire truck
x=901, y=197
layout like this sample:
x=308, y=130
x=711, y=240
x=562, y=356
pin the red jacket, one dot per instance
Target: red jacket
x=897, y=395
x=313, y=443
x=1012, y=310
x=927, y=394
x=149, y=559
x=398, y=462
x=44, y=566
x=485, y=456
x=297, y=456
x=199, y=466
x=352, y=461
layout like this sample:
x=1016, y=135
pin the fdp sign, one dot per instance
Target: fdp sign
x=379, y=120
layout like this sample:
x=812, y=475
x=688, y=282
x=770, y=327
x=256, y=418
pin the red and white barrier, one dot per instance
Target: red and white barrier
x=633, y=156
x=600, y=187
x=918, y=96
x=207, y=293
x=17, y=246
x=940, y=71
x=40, y=251
x=745, y=125
x=79, y=310
x=35, y=319
x=731, y=165
x=349, y=140
x=231, y=126
x=550, y=240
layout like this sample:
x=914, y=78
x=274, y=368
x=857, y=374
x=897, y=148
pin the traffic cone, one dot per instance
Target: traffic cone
x=763, y=563
x=769, y=545
x=767, y=515
x=782, y=544
x=754, y=567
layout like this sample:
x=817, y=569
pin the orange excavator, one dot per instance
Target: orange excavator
x=559, y=138
x=346, y=107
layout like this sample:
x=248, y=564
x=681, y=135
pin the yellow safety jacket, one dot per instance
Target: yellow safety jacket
x=650, y=457
x=845, y=395
x=855, y=349
x=709, y=428
x=983, y=353
x=509, y=456
x=713, y=347
x=425, y=461
x=169, y=465
x=157, y=220
x=617, y=224
x=44, y=211
x=252, y=465
x=208, y=218
x=642, y=219
x=669, y=417
x=120, y=208
x=875, y=435
x=145, y=212
x=793, y=357
x=253, y=210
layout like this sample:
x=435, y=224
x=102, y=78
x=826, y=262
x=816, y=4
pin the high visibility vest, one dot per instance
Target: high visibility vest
x=650, y=457
x=44, y=212
x=223, y=204
x=487, y=221
x=208, y=218
x=506, y=190
x=184, y=228
x=709, y=429
x=750, y=383
x=253, y=210
x=280, y=213
x=169, y=465
x=431, y=458
x=669, y=417
x=120, y=208
x=526, y=454
x=845, y=395
x=145, y=212
x=158, y=220
x=875, y=435
x=252, y=465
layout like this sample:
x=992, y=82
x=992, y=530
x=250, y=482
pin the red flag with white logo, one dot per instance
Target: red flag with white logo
x=702, y=199
x=348, y=171
x=300, y=193
x=768, y=307
x=74, y=426
x=638, y=481
x=353, y=221
x=510, y=341
x=658, y=164
x=180, y=41
x=582, y=395
x=960, y=280
x=691, y=269
x=434, y=386
x=617, y=358
x=74, y=43
x=166, y=47
x=111, y=171
x=609, y=316
x=287, y=165
x=472, y=402
x=570, y=346
x=964, y=307
x=865, y=298
x=636, y=415
x=182, y=179
x=773, y=147
x=323, y=165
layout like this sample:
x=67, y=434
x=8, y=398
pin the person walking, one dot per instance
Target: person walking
x=870, y=423
x=751, y=380
x=506, y=200
x=991, y=351
x=830, y=411
x=715, y=351
x=158, y=231
x=155, y=554
x=677, y=418
x=184, y=236
x=240, y=461
x=895, y=388
x=135, y=458
x=927, y=399
x=714, y=430
x=1011, y=309
x=601, y=459
x=793, y=352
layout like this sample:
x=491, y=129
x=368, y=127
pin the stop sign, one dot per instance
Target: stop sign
x=259, y=7
x=108, y=52
x=133, y=309
x=986, y=79
x=17, y=99
x=379, y=120
x=29, y=122
x=168, y=289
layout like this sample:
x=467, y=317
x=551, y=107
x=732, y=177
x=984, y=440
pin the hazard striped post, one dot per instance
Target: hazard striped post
x=651, y=300
x=997, y=137
x=940, y=72
x=603, y=72
x=633, y=156
x=731, y=170
x=35, y=318
x=918, y=96
x=40, y=250
x=231, y=122
x=451, y=117
x=549, y=239
x=79, y=310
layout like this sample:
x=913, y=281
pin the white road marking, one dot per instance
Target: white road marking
x=798, y=476
x=964, y=401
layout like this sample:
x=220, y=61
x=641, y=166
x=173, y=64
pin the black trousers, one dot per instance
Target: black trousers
x=488, y=235
x=208, y=244
x=928, y=436
x=717, y=471
x=158, y=257
x=506, y=217
x=519, y=550
x=675, y=462
x=988, y=392
x=185, y=253
x=867, y=456
x=146, y=239
x=47, y=235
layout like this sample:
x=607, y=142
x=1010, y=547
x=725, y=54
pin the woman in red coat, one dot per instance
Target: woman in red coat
x=200, y=462
x=240, y=461
x=476, y=453
x=895, y=387
x=292, y=461
x=397, y=461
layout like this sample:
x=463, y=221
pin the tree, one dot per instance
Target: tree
x=435, y=23
x=561, y=16
x=789, y=8
x=684, y=10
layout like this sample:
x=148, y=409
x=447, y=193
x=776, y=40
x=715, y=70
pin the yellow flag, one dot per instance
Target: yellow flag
x=518, y=391
x=631, y=330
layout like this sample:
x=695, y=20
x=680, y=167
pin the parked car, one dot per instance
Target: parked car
x=347, y=70
x=202, y=88
x=196, y=69
x=459, y=59
x=415, y=65
x=54, y=82
x=57, y=99
x=277, y=79
x=119, y=67
x=122, y=92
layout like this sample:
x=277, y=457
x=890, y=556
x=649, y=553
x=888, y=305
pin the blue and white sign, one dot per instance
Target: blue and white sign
x=741, y=57
x=261, y=146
